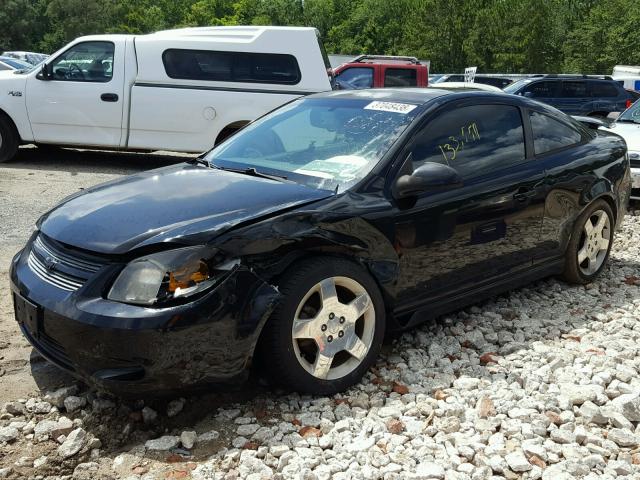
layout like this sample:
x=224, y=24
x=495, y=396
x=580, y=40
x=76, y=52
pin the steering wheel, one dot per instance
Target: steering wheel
x=74, y=72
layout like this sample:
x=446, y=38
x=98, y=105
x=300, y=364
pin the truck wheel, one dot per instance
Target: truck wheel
x=590, y=243
x=8, y=139
x=327, y=330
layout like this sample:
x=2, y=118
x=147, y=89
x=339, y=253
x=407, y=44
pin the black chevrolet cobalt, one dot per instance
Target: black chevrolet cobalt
x=295, y=244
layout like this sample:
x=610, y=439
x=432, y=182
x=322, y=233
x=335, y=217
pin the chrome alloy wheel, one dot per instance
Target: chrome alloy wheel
x=333, y=328
x=594, y=242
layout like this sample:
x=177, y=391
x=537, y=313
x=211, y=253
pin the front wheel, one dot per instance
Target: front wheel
x=327, y=330
x=590, y=243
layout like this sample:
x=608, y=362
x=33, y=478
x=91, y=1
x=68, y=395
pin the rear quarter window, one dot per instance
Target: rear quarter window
x=603, y=89
x=400, y=77
x=219, y=66
x=550, y=134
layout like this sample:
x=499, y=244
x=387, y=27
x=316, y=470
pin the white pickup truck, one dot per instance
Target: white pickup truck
x=180, y=90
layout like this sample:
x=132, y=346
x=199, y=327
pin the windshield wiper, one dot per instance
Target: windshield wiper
x=625, y=120
x=254, y=173
x=201, y=161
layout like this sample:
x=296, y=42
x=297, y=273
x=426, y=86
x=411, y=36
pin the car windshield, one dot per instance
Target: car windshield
x=515, y=86
x=17, y=64
x=324, y=143
x=631, y=114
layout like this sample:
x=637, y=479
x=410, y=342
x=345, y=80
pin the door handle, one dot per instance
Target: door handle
x=523, y=194
x=109, y=97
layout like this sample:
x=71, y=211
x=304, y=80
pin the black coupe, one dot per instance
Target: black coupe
x=299, y=241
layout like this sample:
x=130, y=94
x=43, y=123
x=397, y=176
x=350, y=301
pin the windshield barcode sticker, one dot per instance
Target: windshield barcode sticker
x=390, y=107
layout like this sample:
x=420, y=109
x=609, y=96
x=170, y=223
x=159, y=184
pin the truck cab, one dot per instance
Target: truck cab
x=379, y=71
x=181, y=90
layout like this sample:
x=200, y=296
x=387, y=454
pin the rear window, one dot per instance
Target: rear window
x=231, y=66
x=400, y=77
x=603, y=89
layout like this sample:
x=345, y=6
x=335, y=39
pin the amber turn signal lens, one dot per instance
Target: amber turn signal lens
x=187, y=278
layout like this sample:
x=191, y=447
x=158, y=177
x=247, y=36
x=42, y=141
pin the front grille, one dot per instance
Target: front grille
x=61, y=267
x=60, y=280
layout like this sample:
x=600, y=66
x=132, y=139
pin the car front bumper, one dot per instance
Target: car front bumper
x=134, y=350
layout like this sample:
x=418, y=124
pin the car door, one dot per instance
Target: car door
x=454, y=241
x=80, y=101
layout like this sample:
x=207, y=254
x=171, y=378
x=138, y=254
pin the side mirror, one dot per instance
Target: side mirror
x=429, y=177
x=45, y=72
x=528, y=94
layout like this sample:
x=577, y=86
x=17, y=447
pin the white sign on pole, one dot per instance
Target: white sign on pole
x=470, y=74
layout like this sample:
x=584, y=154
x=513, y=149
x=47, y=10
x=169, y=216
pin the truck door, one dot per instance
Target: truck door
x=80, y=100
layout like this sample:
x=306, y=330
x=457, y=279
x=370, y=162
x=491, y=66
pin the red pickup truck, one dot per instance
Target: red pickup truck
x=377, y=71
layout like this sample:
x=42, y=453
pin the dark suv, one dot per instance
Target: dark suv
x=575, y=95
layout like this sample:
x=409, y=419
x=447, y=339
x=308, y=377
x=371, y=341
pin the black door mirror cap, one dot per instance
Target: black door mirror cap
x=44, y=73
x=428, y=177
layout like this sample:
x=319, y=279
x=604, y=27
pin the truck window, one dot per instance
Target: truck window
x=400, y=77
x=85, y=62
x=231, y=66
x=576, y=89
x=356, y=77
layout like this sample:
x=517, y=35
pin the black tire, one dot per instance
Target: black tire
x=573, y=272
x=9, y=140
x=277, y=351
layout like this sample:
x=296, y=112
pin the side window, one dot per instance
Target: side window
x=541, y=90
x=85, y=62
x=550, y=134
x=474, y=140
x=400, y=77
x=603, y=89
x=231, y=66
x=357, y=77
x=574, y=89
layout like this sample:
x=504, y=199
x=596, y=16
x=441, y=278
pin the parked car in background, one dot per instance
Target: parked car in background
x=627, y=125
x=576, y=94
x=380, y=71
x=299, y=241
x=495, y=81
x=10, y=63
x=32, y=58
x=181, y=90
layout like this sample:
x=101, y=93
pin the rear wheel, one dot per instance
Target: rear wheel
x=590, y=243
x=8, y=139
x=327, y=330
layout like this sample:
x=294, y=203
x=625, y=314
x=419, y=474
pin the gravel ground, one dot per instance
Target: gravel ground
x=540, y=383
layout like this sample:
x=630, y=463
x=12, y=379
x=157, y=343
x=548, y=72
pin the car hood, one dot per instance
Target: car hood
x=173, y=204
x=630, y=132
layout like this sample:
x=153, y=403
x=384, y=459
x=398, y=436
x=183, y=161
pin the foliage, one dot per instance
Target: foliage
x=588, y=36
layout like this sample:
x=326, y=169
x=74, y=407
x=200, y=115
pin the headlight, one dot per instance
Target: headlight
x=164, y=276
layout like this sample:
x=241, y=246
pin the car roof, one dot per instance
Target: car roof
x=418, y=96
